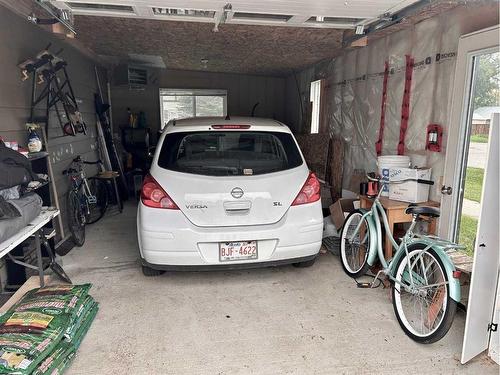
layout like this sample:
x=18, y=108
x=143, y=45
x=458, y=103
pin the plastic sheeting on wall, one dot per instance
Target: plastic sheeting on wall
x=356, y=85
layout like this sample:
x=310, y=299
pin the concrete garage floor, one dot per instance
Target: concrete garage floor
x=266, y=321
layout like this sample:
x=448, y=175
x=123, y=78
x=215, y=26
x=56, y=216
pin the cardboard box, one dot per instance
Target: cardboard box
x=410, y=191
x=340, y=209
x=357, y=177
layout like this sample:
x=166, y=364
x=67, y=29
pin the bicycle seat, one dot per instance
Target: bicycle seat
x=422, y=210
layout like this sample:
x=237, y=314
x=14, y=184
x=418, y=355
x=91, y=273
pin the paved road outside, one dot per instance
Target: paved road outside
x=478, y=153
x=471, y=208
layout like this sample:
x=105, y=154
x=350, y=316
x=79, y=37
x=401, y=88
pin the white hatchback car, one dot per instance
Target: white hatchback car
x=228, y=193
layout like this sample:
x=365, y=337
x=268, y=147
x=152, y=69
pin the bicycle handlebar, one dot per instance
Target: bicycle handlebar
x=418, y=180
x=98, y=161
x=78, y=159
x=425, y=182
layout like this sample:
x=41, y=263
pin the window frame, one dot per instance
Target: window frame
x=315, y=97
x=191, y=93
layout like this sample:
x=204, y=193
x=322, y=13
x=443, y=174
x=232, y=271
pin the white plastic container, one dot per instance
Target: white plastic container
x=410, y=191
x=386, y=162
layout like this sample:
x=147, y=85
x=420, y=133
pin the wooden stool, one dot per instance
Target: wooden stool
x=112, y=176
x=395, y=211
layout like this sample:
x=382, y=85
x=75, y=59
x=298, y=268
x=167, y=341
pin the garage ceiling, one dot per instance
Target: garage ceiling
x=265, y=50
x=298, y=13
x=202, y=35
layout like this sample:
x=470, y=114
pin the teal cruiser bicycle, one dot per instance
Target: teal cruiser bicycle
x=425, y=285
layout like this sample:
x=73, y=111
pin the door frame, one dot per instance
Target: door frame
x=469, y=46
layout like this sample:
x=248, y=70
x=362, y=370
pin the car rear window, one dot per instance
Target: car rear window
x=229, y=153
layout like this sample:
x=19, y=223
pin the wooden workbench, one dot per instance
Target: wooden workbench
x=395, y=211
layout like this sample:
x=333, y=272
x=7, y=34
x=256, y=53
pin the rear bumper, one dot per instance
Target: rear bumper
x=229, y=266
x=168, y=240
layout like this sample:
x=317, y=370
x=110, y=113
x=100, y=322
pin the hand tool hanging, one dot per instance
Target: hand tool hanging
x=378, y=144
x=405, y=109
x=50, y=71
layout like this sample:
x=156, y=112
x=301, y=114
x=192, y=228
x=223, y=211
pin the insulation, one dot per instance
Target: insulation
x=356, y=84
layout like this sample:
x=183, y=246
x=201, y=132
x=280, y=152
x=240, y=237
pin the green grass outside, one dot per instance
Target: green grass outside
x=479, y=138
x=474, y=184
x=468, y=229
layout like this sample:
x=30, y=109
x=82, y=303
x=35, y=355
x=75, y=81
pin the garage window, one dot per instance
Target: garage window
x=179, y=103
x=316, y=106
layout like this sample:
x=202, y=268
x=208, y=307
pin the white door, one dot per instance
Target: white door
x=494, y=350
x=484, y=281
x=461, y=150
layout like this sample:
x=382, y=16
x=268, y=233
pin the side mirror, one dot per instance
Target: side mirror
x=151, y=151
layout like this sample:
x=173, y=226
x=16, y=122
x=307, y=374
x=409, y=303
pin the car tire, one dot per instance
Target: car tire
x=149, y=272
x=305, y=264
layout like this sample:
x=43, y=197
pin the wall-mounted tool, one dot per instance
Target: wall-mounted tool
x=434, y=137
x=49, y=72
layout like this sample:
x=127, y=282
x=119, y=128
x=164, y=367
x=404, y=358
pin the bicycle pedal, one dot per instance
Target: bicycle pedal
x=364, y=285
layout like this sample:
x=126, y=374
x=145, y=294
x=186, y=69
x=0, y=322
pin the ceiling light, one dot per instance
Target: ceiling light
x=262, y=17
x=100, y=7
x=181, y=12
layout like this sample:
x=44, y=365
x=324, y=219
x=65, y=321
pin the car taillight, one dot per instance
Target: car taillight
x=152, y=195
x=310, y=192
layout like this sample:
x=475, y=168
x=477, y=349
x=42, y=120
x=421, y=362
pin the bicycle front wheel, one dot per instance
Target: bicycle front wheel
x=97, y=201
x=76, y=217
x=421, y=295
x=355, y=245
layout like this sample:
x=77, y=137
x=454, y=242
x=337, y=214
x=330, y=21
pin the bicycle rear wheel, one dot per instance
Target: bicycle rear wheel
x=76, y=217
x=98, y=202
x=354, y=247
x=425, y=313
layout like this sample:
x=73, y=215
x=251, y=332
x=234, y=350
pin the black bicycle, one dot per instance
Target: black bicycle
x=87, y=199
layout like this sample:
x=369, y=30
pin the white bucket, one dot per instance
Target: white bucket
x=418, y=160
x=385, y=163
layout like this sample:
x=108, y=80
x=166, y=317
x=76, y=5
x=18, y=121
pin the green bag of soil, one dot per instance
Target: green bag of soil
x=79, y=317
x=32, y=328
x=65, y=351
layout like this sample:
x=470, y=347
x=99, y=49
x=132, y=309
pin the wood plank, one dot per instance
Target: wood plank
x=462, y=262
x=32, y=283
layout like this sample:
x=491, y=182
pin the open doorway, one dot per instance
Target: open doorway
x=470, y=192
x=484, y=101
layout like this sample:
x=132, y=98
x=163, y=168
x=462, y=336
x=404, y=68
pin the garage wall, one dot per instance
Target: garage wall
x=243, y=92
x=354, y=84
x=20, y=40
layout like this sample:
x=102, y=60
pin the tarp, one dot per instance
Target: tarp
x=355, y=86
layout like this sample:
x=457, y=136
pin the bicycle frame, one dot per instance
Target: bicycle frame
x=374, y=216
x=80, y=181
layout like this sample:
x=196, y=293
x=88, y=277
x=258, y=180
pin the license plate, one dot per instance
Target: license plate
x=232, y=251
